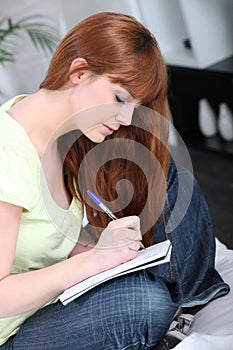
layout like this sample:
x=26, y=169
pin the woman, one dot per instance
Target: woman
x=107, y=60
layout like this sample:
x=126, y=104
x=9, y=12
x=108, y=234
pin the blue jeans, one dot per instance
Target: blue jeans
x=134, y=311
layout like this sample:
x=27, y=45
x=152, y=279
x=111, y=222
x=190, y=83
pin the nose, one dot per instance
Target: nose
x=123, y=119
x=124, y=116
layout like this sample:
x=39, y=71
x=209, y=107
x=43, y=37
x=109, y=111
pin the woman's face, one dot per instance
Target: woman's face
x=110, y=106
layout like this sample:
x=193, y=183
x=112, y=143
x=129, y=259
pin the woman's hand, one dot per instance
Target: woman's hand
x=120, y=241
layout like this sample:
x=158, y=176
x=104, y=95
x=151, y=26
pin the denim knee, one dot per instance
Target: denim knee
x=131, y=312
x=141, y=312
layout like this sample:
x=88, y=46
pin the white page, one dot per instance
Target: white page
x=151, y=256
x=66, y=299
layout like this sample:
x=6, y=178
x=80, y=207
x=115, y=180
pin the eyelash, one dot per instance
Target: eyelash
x=118, y=99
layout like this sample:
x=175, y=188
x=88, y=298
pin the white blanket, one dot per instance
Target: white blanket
x=212, y=328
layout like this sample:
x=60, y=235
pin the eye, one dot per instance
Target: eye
x=119, y=99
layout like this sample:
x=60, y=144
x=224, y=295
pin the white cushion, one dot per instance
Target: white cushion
x=212, y=328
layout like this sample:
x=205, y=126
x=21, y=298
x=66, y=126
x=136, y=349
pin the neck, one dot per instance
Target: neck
x=41, y=115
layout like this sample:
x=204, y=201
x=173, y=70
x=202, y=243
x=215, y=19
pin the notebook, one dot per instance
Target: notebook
x=159, y=253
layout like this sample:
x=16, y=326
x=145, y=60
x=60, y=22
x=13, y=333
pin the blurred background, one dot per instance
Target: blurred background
x=196, y=40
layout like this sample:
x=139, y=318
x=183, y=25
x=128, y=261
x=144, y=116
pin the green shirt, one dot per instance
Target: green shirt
x=47, y=232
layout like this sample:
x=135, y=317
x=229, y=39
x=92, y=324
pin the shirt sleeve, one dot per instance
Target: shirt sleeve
x=19, y=176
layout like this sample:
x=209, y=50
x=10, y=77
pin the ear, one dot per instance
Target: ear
x=77, y=68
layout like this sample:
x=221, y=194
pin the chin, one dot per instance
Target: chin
x=96, y=138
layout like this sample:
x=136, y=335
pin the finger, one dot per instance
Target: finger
x=133, y=235
x=132, y=222
x=133, y=254
x=125, y=235
x=135, y=246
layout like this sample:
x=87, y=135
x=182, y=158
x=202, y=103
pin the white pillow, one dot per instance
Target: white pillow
x=197, y=341
x=212, y=328
x=216, y=318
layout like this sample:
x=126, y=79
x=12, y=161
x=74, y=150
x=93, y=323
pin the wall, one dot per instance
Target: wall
x=170, y=21
x=25, y=75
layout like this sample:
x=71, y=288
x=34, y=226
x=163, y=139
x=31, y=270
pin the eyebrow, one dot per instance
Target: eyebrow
x=125, y=88
x=129, y=92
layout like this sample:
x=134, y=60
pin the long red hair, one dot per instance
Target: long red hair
x=119, y=46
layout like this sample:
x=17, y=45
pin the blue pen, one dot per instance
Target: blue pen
x=101, y=205
x=104, y=208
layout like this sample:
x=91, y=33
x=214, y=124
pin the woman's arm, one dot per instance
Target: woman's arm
x=24, y=292
x=87, y=240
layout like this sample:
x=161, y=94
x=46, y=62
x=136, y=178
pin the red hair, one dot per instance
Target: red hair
x=121, y=47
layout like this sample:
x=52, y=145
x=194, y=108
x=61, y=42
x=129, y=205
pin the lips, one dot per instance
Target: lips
x=108, y=129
